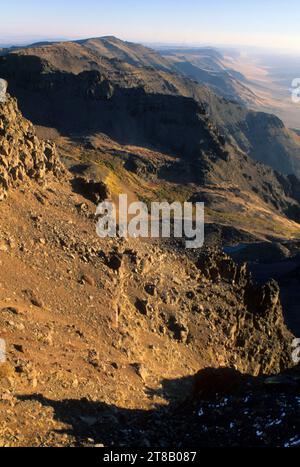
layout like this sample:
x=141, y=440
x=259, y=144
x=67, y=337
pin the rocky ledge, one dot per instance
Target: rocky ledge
x=22, y=155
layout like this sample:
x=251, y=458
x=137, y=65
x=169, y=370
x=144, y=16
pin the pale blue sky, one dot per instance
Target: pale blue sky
x=264, y=23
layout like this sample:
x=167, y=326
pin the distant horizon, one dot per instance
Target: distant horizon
x=271, y=25
x=14, y=41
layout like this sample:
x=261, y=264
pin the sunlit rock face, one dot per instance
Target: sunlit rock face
x=22, y=155
x=3, y=89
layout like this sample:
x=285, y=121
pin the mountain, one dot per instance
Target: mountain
x=259, y=81
x=219, y=71
x=209, y=66
x=126, y=52
x=262, y=136
x=80, y=93
x=167, y=136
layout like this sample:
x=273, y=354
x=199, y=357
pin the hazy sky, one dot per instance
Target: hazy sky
x=267, y=23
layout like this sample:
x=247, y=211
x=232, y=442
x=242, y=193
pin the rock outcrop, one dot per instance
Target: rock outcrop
x=254, y=326
x=22, y=155
x=216, y=265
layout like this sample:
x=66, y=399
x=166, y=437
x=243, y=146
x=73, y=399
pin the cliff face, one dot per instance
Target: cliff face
x=261, y=135
x=89, y=102
x=22, y=155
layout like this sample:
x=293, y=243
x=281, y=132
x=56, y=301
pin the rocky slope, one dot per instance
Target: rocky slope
x=22, y=156
x=101, y=333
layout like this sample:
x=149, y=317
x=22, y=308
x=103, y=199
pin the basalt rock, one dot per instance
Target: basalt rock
x=255, y=328
x=142, y=306
x=92, y=190
x=260, y=300
x=263, y=300
x=215, y=265
x=22, y=155
x=179, y=329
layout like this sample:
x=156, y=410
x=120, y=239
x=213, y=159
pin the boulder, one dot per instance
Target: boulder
x=262, y=300
x=214, y=265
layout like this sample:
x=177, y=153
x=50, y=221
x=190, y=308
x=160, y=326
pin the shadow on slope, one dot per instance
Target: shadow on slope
x=260, y=411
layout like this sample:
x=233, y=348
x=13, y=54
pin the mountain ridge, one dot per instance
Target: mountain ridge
x=275, y=146
x=189, y=127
